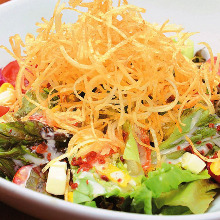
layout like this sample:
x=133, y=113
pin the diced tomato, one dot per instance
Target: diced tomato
x=10, y=72
x=49, y=156
x=74, y=185
x=105, y=178
x=87, y=162
x=3, y=110
x=22, y=175
x=41, y=148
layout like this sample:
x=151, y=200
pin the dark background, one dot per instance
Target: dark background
x=8, y=213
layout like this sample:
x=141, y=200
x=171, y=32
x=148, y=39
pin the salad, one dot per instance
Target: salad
x=110, y=112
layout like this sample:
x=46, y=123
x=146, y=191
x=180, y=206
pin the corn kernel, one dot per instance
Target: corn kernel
x=70, y=196
x=5, y=86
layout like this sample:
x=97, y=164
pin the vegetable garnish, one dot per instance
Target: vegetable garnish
x=123, y=116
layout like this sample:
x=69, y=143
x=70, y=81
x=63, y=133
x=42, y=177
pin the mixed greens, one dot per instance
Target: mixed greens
x=169, y=190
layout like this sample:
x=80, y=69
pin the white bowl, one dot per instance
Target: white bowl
x=20, y=16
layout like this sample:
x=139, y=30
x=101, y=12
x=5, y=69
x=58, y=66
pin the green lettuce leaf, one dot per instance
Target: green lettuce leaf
x=90, y=204
x=131, y=149
x=165, y=179
x=196, y=195
x=84, y=191
x=141, y=200
x=169, y=177
x=28, y=106
x=188, y=51
x=88, y=188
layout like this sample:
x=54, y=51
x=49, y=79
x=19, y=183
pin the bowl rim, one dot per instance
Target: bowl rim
x=96, y=213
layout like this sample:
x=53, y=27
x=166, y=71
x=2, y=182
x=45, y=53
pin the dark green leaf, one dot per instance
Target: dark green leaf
x=111, y=203
x=175, y=210
x=7, y=168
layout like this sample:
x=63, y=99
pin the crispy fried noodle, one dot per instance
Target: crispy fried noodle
x=109, y=67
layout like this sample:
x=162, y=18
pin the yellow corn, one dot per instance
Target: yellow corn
x=5, y=86
x=70, y=196
x=7, y=94
x=215, y=167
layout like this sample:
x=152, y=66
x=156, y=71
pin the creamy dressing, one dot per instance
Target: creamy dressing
x=52, y=149
x=18, y=163
x=117, y=175
x=98, y=189
x=195, y=119
x=193, y=128
x=174, y=161
x=217, y=142
x=35, y=160
x=47, y=135
x=85, y=174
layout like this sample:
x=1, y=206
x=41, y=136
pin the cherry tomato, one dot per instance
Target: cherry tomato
x=2, y=79
x=3, y=110
x=10, y=72
x=22, y=175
